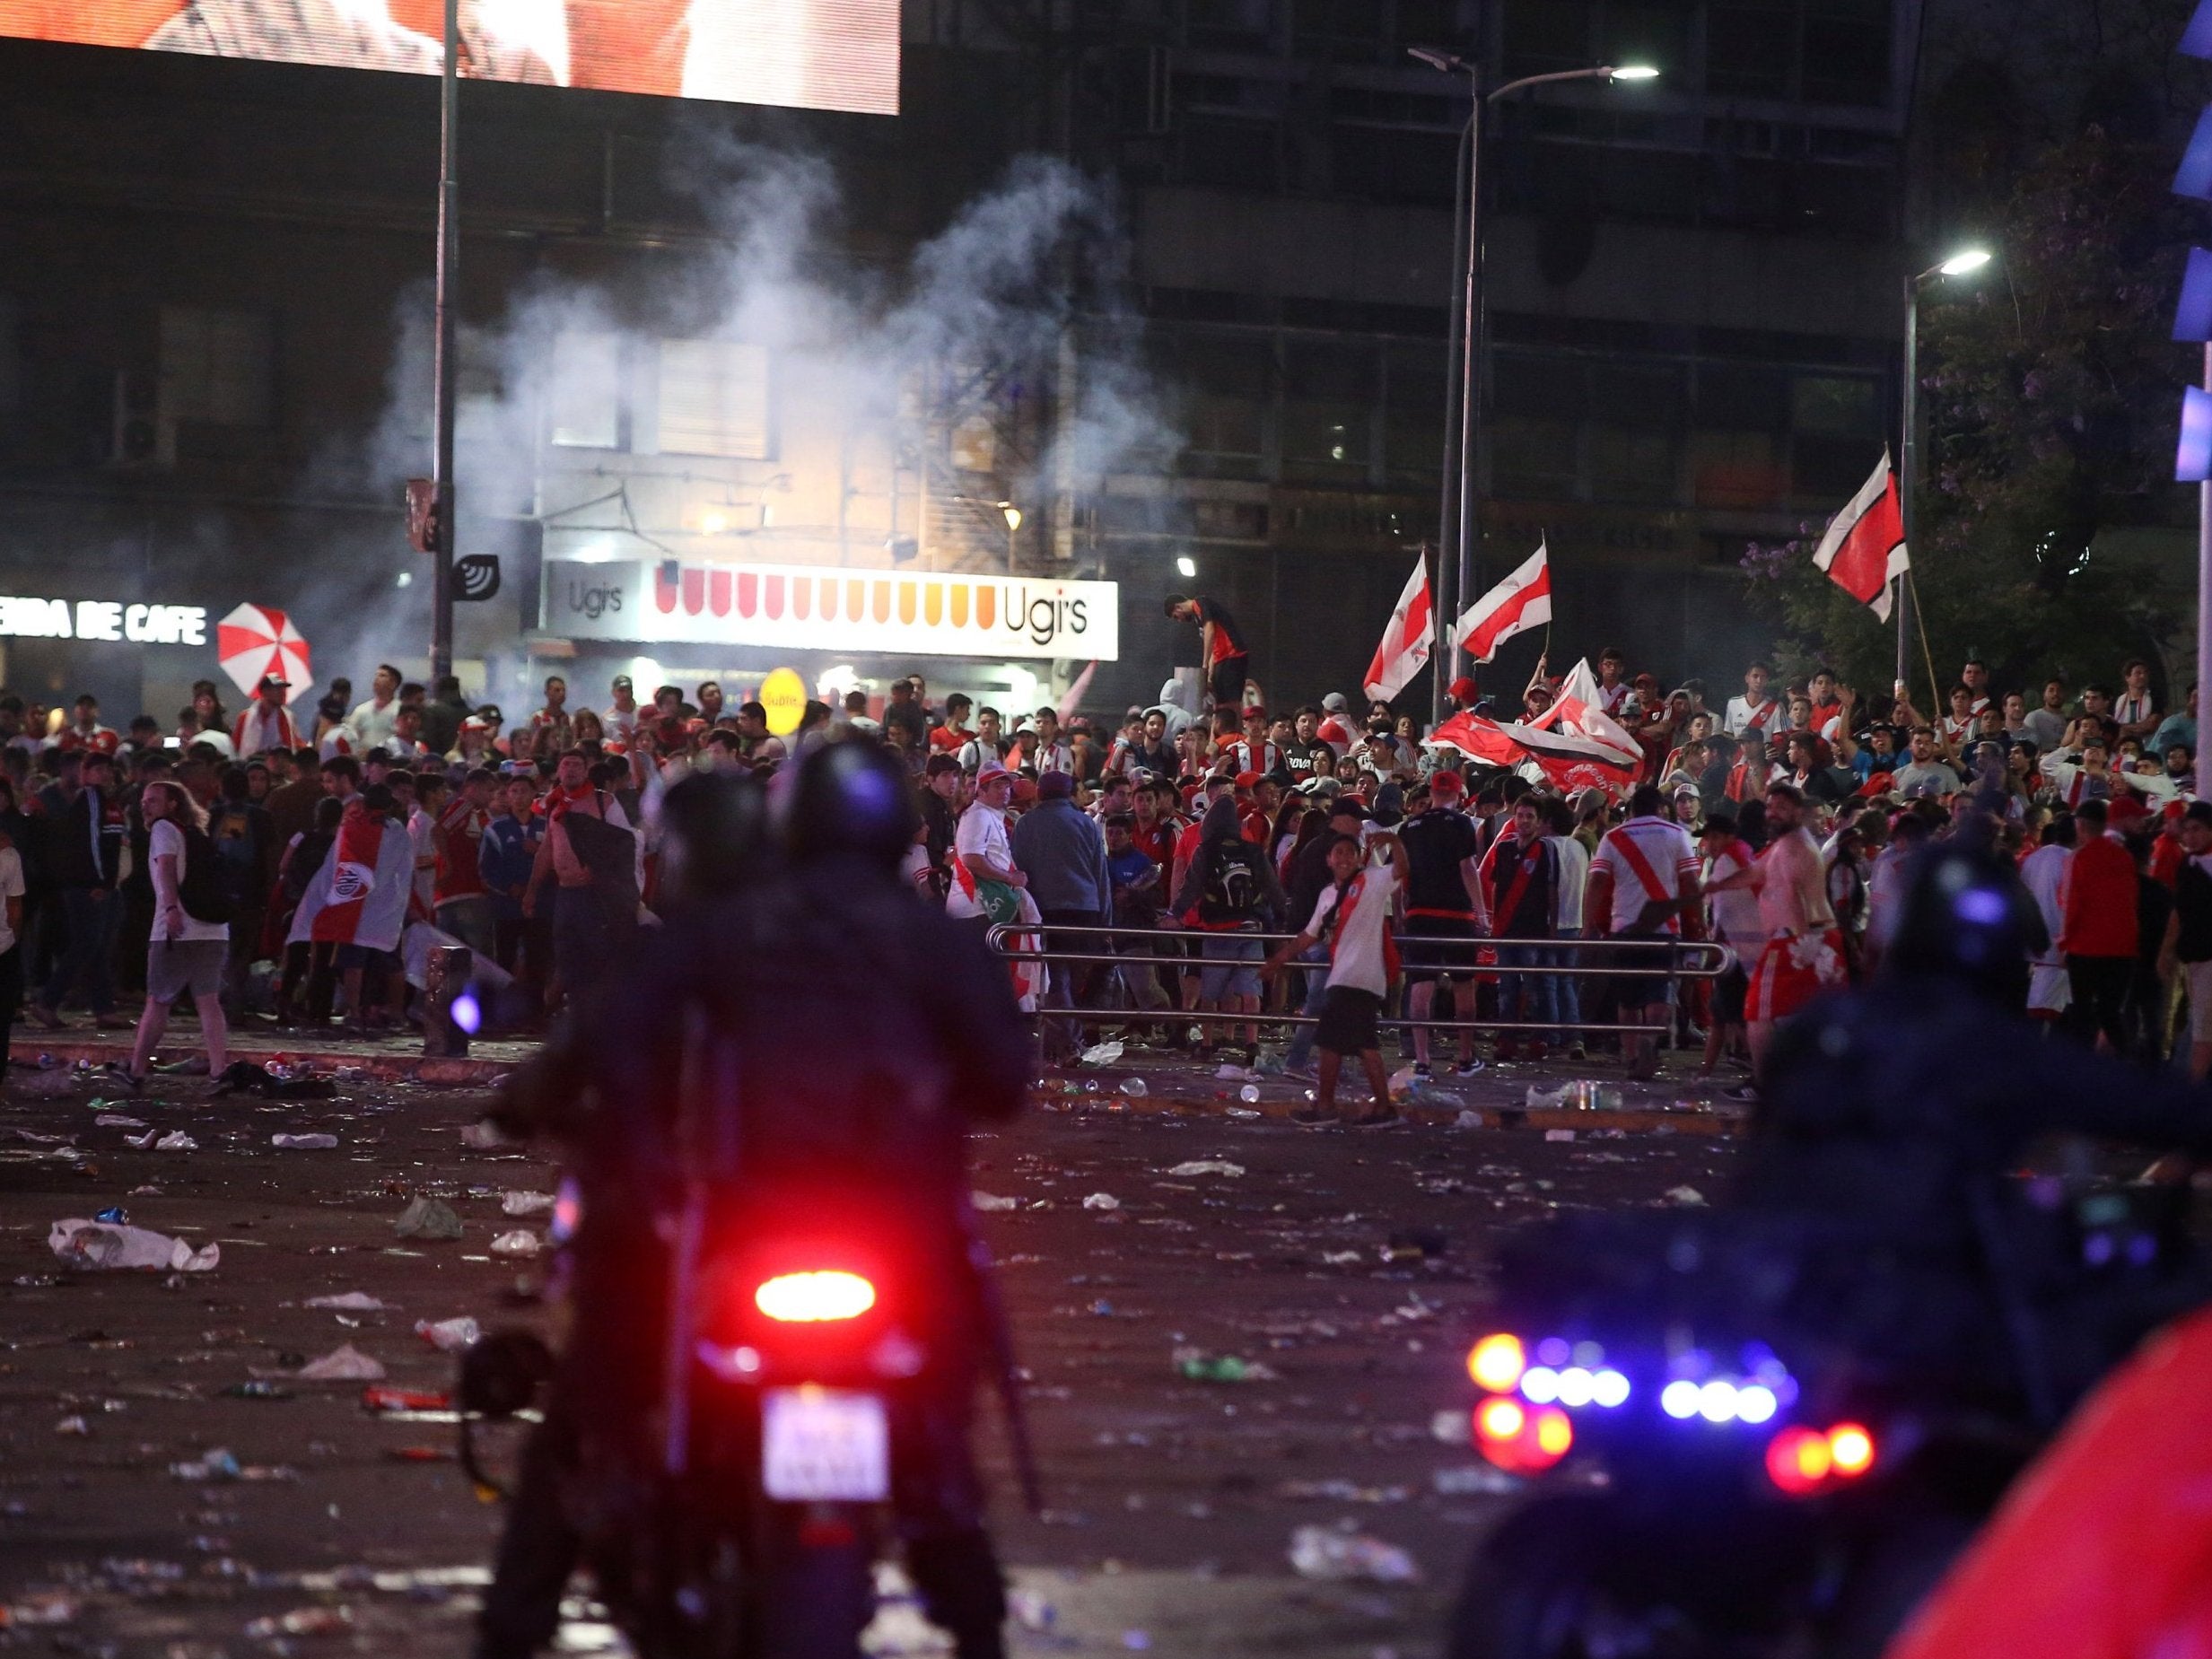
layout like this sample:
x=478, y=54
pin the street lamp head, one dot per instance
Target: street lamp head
x=1966, y=262
x=1013, y=515
x=1437, y=57
x=1633, y=71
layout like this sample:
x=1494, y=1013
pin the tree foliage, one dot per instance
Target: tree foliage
x=2050, y=389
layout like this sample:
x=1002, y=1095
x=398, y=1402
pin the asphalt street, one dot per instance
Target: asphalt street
x=1346, y=1269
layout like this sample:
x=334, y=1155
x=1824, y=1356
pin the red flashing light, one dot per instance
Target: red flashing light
x=1520, y=1439
x=1803, y=1461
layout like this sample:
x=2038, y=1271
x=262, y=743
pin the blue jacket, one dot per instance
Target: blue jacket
x=1062, y=851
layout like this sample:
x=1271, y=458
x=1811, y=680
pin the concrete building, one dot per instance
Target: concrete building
x=213, y=310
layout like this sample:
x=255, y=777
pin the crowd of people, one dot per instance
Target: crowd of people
x=274, y=864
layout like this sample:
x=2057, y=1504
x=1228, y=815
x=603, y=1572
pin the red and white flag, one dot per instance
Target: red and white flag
x=1406, y=641
x=1579, y=710
x=353, y=875
x=1516, y=604
x=1864, y=549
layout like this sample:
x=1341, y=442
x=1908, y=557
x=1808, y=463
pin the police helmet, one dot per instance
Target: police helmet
x=715, y=833
x=1967, y=919
x=850, y=797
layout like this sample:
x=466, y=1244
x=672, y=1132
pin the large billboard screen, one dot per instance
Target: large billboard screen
x=806, y=54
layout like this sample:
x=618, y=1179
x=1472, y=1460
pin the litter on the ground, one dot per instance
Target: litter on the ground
x=1331, y=1555
x=525, y=1204
x=521, y=1242
x=352, y=1302
x=1207, y=1166
x=95, y=1244
x=428, y=1218
x=304, y=1143
x=343, y=1364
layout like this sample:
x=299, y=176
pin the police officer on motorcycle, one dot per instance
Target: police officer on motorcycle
x=857, y=1035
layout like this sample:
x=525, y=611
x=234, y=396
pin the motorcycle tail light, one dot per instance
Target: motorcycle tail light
x=1522, y=1440
x=1803, y=1461
x=1496, y=1363
x=815, y=1298
x=1850, y=1449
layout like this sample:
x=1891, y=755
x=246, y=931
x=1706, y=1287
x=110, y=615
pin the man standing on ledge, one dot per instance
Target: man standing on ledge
x=1221, y=646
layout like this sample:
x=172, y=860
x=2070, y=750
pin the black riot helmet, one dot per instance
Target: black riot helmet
x=715, y=835
x=851, y=797
x=1967, y=920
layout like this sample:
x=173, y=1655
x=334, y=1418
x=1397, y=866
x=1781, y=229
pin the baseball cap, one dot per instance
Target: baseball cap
x=1448, y=784
x=1249, y=780
x=1255, y=712
x=622, y=682
x=275, y=682
x=1334, y=703
x=989, y=771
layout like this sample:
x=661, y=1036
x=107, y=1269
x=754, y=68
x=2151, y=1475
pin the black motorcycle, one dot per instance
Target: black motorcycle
x=742, y=1515
x=1757, y=1432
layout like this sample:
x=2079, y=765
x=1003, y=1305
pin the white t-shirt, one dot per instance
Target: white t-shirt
x=2043, y=874
x=373, y=728
x=11, y=887
x=1666, y=847
x=167, y=841
x=983, y=833
x=1736, y=912
x=1357, y=961
x=1574, y=877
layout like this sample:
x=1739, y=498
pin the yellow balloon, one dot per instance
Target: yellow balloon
x=784, y=695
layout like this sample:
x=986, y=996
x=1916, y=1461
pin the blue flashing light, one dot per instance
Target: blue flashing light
x=1610, y=1389
x=1716, y=1400
x=1680, y=1400
x=2192, y=461
x=1577, y=1387
x=1553, y=1352
x=2192, y=317
x=2197, y=39
x=468, y=1013
x=1540, y=1385
x=1755, y=1404
x=2194, y=177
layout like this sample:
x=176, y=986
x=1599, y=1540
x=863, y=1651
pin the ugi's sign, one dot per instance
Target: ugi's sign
x=832, y=609
x=103, y=619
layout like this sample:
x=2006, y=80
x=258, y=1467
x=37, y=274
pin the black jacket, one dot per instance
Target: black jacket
x=83, y=846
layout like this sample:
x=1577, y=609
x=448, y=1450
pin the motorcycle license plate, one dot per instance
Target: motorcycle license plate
x=824, y=1445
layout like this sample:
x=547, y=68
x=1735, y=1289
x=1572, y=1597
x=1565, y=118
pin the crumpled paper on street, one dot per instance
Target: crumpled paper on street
x=112, y=1245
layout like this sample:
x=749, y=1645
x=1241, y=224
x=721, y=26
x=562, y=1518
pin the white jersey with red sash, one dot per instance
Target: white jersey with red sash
x=1355, y=919
x=1646, y=858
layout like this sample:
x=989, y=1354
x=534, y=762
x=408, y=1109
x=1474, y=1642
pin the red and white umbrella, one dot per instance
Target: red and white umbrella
x=254, y=640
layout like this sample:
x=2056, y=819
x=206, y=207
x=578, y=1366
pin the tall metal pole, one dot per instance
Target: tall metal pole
x=1471, y=358
x=445, y=369
x=2204, y=588
x=1450, y=601
x=1908, y=473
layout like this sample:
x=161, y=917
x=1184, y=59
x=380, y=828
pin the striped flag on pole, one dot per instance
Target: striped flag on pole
x=1864, y=549
x=1406, y=641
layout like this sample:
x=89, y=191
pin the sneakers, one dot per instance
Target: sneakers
x=1375, y=1117
x=1746, y=1095
x=1469, y=1066
x=1314, y=1117
x=1420, y=1067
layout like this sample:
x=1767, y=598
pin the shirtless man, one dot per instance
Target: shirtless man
x=1803, y=954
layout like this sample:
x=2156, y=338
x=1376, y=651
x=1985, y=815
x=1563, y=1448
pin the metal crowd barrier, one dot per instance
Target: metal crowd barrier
x=1176, y=950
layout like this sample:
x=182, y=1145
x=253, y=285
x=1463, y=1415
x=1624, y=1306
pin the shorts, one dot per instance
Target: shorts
x=362, y=956
x=1730, y=992
x=176, y=967
x=2050, y=991
x=1424, y=963
x=1348, y=1018
x=1641, y=990
x=1793, y=970
x=1215, y=983
x=1227, y=682
x=2200, y=1001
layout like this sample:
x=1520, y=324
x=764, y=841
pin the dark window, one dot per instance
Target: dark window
x=1380, y=164
x=1233, y=154
x=1546, y=35
x=1240, y=25
x=1742, y=397
x=1847, y=61
x=1749, y=47
x=1328, y=411
x=1413, y=413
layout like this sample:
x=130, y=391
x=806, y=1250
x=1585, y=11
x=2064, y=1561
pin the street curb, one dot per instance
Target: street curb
x=470, y=1073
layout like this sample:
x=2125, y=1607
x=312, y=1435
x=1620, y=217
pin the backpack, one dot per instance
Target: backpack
x=1236, y=886
x=200, y=886
x=231, y=831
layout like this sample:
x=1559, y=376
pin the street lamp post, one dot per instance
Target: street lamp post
x=1964, y=263
x=1457, y=527
x=445, y=367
